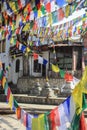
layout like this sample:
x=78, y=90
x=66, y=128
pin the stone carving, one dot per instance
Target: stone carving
x=36, y=89
x=47, y=90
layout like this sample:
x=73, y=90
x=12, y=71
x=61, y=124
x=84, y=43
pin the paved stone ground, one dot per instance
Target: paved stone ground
x=10, y=122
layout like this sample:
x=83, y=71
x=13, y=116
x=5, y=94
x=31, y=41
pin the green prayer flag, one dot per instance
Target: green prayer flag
x=31, y=24
x=1, y=74
x=75, y=124
x=15, y=41
x=62, y=73
x=41, y=120
x=85, y=3
x=6, y=88
x=16, y=104
x=46, y=121
x=43, y=10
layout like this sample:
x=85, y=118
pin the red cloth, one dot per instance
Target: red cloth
x=29, y=9
x=54, y=119
x=19, y=4
x=83, y=125
x=35, y=56
x=68, y=77
x=25, y=119
x=18, y=113
x=8, y=93
x=60, y=14
x=17, y=44
x=48, y=7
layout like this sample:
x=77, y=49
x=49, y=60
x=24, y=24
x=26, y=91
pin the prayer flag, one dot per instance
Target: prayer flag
x=55, y=68
x=40, y=60
x=55, y=17
x=18, y=113
x=62, y=73
x=62, y=115
x=6, y=89
x=35, y=56
x=11, y=101
x=19, y=4
x=8, y=93
x=3, y=81
x=22, y=115
x=41, y=121
x=45, y=61
x=25, y=119
x=29, y=121
x=48, y=7
x=35, y=124
x=54, y=119
x=83, y=125
x=61, y=3
x=66, y=105
x=68, y=77
x=76, y=122
x=60, y=14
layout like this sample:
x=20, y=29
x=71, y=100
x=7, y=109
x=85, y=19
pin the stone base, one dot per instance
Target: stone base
x=47, y=92
x=66, y=88
x=35, y=91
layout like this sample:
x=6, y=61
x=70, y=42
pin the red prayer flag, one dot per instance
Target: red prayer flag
x=35, y=25
x=29, y=8
x=83, y=125
x=25, y=119
x=60, y=14
x=8, y=93
x=18, y=113
x=17, y=44
x=19, y=4
x=6, y=32
x=54, y=118
x=48, y=7
x=68, y=77
x=17, y=30
x=35, y=56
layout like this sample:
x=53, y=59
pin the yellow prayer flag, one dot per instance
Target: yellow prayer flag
x=12, y=40
x=3, y=81
x=35, y=124
x=27, y=49
x=77, y=96
x=0, y=64
x=41, y=121
x=50, y=19
x=80, y=88
x=26, y=27
x=11, y=101
x=12, y=5
x=39, y=13
x=84, y=81
x=55, y=68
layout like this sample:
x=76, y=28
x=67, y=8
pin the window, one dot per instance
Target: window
x=37, y=66
x=63, y=58
x=17, y=65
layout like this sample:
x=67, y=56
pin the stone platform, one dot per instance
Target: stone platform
x=22, y=98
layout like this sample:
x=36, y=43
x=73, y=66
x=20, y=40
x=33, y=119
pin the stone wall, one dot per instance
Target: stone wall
x=25, y=83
